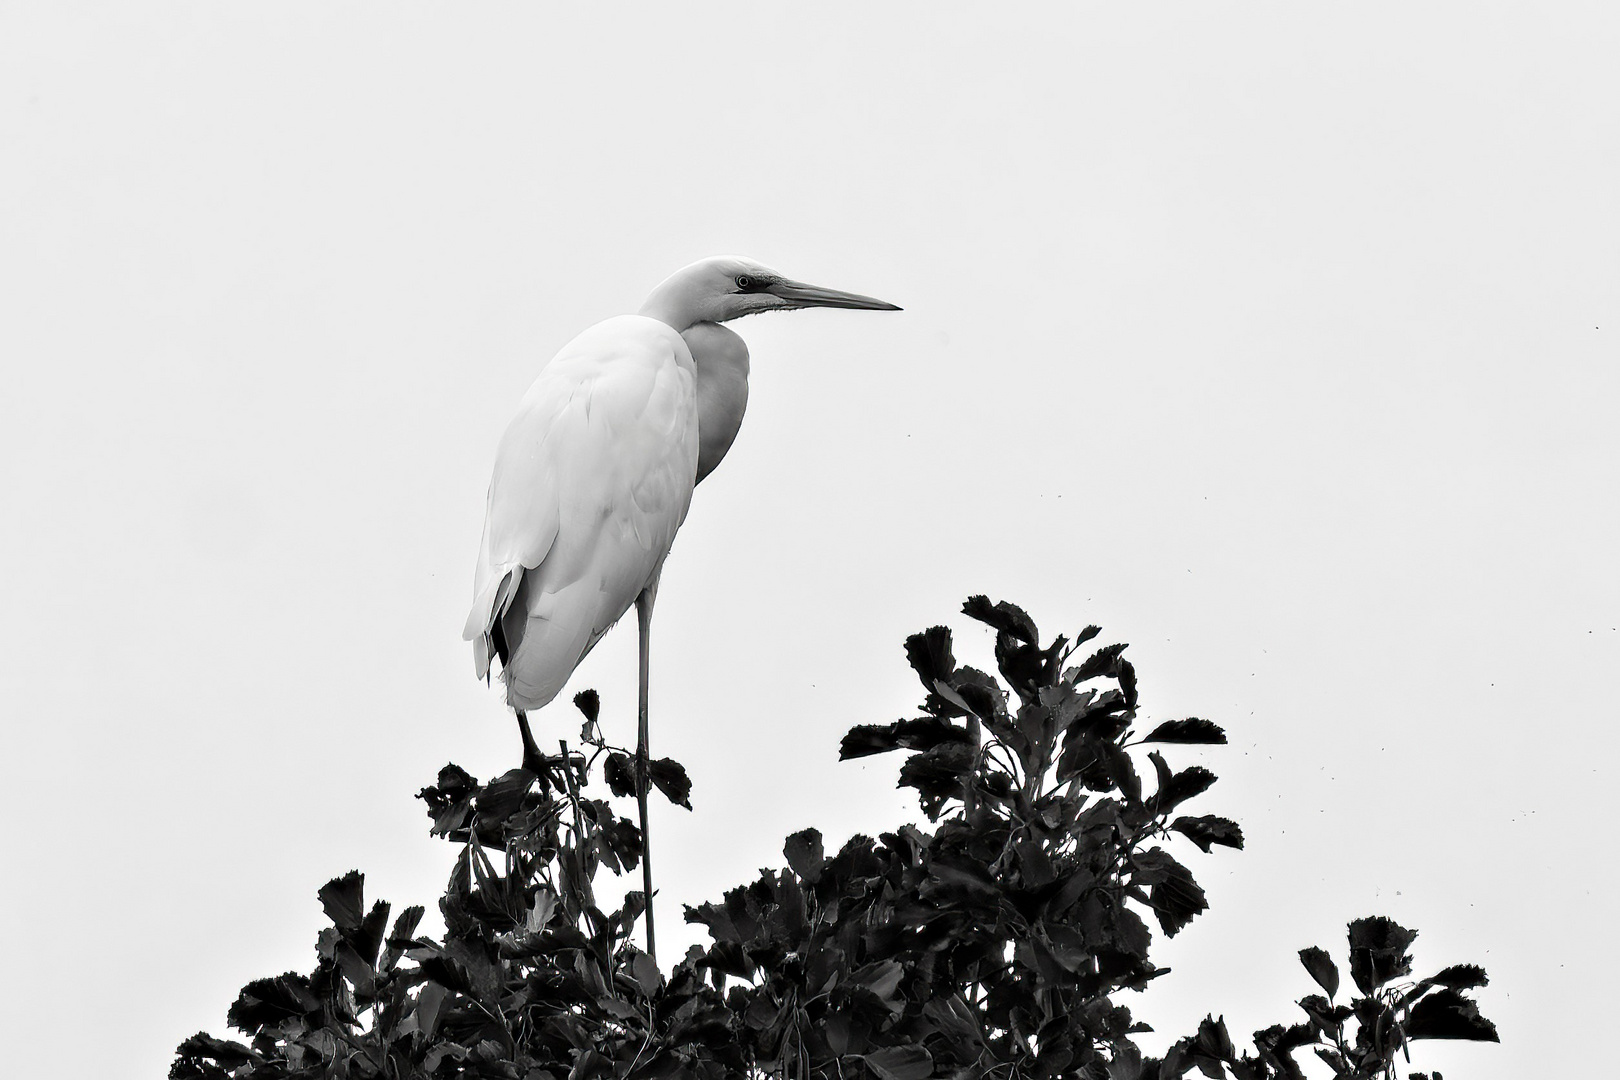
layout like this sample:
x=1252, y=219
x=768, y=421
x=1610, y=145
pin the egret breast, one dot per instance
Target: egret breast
x=722, y=390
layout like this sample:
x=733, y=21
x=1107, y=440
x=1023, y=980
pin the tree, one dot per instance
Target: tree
x=993, y=945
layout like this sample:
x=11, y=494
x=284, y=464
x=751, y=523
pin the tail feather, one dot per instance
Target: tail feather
x=548, y=636
x=483, y=627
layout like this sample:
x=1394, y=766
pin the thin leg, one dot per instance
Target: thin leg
x=532, y=760
x=644, y=607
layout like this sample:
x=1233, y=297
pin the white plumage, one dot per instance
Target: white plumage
x=594, y=476
x=592, y=479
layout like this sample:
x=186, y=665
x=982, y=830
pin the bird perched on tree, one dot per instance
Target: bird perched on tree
x=595, y=474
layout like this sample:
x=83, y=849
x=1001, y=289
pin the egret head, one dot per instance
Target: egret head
x=725, y=287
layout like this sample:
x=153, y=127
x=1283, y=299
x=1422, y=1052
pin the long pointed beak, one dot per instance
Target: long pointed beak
x=803, y=295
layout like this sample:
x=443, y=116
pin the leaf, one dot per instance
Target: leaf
x=1127, y=683
x=1213, y=1041
x=929, y=654
x=368, y=938
x=430, y=1008
x=588, y=703
x=1446, y=1014
x=1322, y=968
x=623, y=838
x=1126, y=1064
x=978, y=692
x=671, y=779
x=1378, y=952
x=620, y=1010
x=1084, y=636
x=882, y=979
x=804, y=853
x=405, y=925
x=925, y=733
x=1460, y=977
x=901, y=1063
x=1336, y=1062
x=1123, y=772
x=264, y=1002
x=646, y=973
x=1183, y=786
x=540, y=912
x=342, y=898
x=1323, y=1013
x=454, y=784
x=1177, y=899
x=1009, y=619
x=620, y=773
x=1191, y=731
x=1208, y=829
x=1102, y=662
x=502, y=797
x=937, y=774
x=226, y=1053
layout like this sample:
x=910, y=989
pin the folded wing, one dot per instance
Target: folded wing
x=592, y=479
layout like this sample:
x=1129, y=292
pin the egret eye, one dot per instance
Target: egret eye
x=744, y=282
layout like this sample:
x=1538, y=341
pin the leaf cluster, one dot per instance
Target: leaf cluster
x=993, y=944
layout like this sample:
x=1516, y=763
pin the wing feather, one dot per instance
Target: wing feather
x=592, y=479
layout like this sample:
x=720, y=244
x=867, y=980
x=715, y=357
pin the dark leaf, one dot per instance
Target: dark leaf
x=430, y=1008
x=1336, y=1062
x=929, y=654
x=646, y=973
x=623, y=838
x=400, y=940
x=1123, y=772
x=1183, y=786
x=1213, y=1041
x=225, y=1052
x=1446, y=1014
x=1191, y=730
x=1322, y=968
x=342, y=898
x=1323, y=1013
x=405, y=925
x=671, y=779
x=1004, y=617
x=937, y=774
x=804, y=853
x=1460, y=977
x=1208, y=829
x=1105, y=661
x=454, y=785
x=1378, y=952
x=368, y=938
x=978, y=692
x=1177, y=899
x=269, y=1001
x=1084, y=636
x=619, y=770
x=901, y=1063
x=1127, y=683
x=922, y=734
x=503, y=796
x=588, y=703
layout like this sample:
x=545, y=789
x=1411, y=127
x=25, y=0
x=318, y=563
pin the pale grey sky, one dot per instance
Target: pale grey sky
x=1278, y=339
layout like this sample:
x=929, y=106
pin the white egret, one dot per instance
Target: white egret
x=594, y=476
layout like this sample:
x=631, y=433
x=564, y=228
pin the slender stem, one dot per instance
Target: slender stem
x=644, y=606
x=583, y=872
x=970, y=801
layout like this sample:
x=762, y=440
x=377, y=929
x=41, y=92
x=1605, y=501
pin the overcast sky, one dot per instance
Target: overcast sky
x=1279, y=339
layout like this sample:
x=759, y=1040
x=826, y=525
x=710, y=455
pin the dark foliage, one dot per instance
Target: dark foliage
x=993, y=945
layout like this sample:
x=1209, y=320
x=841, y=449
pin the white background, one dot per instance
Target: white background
x=1278, y=339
